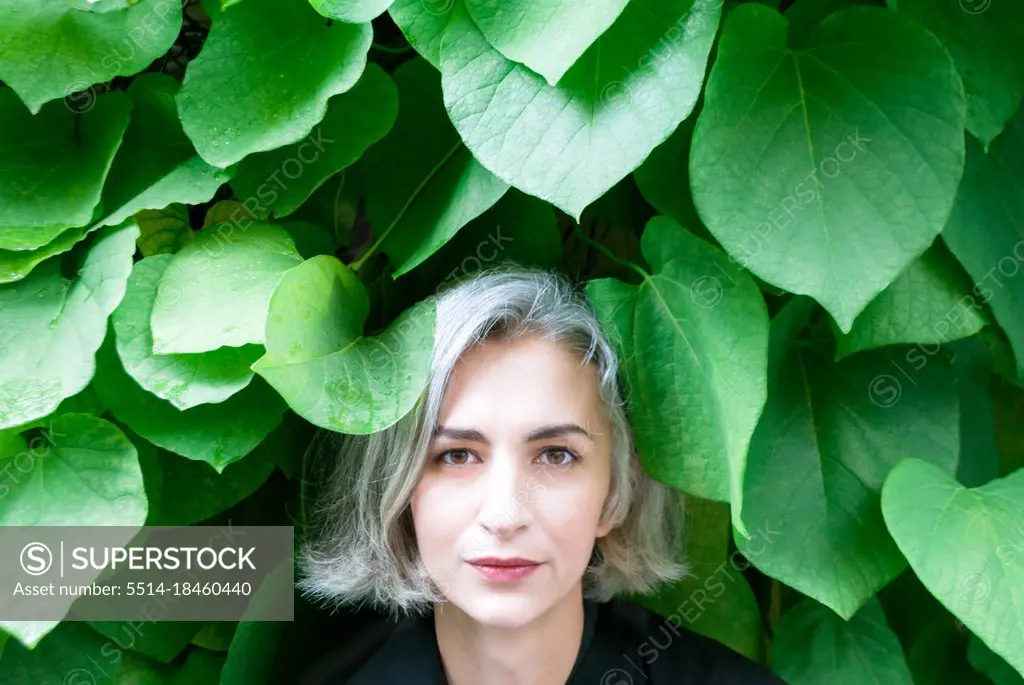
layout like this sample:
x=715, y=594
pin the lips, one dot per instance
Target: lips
x=503, y=561
x=504, y=570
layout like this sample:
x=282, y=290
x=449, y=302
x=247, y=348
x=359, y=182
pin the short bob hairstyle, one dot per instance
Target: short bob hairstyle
x=361, y=547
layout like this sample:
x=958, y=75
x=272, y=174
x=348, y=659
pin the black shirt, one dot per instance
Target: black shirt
x=623, y=643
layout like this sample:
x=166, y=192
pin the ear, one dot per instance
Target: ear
x=603, y=529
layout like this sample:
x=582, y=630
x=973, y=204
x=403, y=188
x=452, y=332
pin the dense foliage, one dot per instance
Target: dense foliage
x=803, y=225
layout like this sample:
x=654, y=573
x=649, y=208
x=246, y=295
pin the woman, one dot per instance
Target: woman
x=507, y=509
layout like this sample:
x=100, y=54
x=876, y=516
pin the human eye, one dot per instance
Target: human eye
x=458, y=457
x=563, y=457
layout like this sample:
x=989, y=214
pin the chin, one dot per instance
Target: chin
x=502, y=609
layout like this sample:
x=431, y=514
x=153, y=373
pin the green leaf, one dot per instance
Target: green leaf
x=664, y=179
x=227, y=211
x=184, y=380
x=264, y=75
x=351, y=11
x=310, y=239
x=28, y=633
x=218, y=434
x=54, y=169
x=827, y=170
x=58, y=658
x=548, y=37
x=183, y=492
x=163, y=231
x=156, y=164
x=986, y=41
x=986, y=229
x=423, y=22
x=50, y=327
x=279, y=181
x=828, y=437
x=88, y=476
x=160, y=640
x=214, y=292
x=518, y=227
x=964, y=545
x=216, y=635
x=938, y=656
x=16, y=264
x=200, y=667
x=997, y=669
x=320, y=362
x=979, y=451
x=50, y=50
x=255, y=655
x=812, y=645
x=716, y=599
x=695, y=391
x=928, y=303
x=417, y=206
x=933, y=640
x=804, y=15
x=570, y=143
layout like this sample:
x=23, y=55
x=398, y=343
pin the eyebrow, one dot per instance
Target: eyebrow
x=542, y=433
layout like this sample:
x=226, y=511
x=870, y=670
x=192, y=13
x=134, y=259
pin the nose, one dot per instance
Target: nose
x=505, y=506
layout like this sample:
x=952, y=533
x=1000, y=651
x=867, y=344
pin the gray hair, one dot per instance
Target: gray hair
x=361, y=546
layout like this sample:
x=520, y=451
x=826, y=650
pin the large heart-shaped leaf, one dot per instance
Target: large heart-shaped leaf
x=156, y=164
x=986, y=41
x=218, y=434
x=826, y=170
x=439, y=187
x=88, y=476
x=986, y=229
x=966, y=546
x=812, y=646
x=695, y=391
x=828, y=437
x=264, y=75
x=50, y=327
x=280, y=180
x=928, y=303
x=52, y=49
x=215, y=290
x=54, y=169
x=184, y=380
x=548, y=37
x=320, y=362
x=570, y=143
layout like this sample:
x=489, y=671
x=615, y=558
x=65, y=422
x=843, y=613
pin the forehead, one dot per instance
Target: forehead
x=523, y=382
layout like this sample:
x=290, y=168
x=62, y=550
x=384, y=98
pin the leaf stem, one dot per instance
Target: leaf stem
x=393, y=51
x=608, y=253
x=398, y=217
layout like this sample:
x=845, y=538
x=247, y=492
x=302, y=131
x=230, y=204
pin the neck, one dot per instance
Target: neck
x=542, y=652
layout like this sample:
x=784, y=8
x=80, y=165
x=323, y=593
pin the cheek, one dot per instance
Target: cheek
x=573, y=516
x=435, y=514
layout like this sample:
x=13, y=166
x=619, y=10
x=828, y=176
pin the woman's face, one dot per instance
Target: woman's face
x=520, y=467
